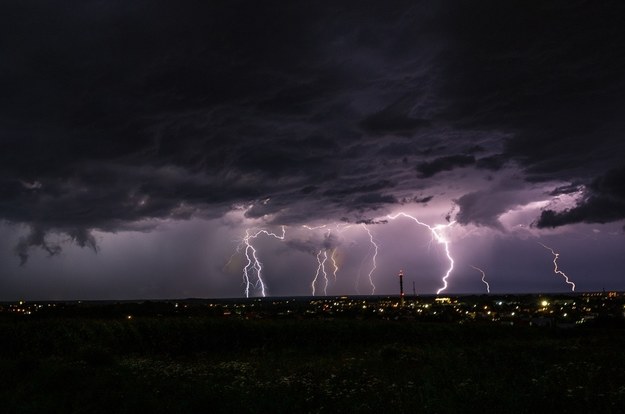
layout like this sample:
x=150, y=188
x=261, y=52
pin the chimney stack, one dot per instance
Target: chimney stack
x=401, y=288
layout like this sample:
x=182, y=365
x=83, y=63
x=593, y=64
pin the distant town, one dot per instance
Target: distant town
x=557, y=310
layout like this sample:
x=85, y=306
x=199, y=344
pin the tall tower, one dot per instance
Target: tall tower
x=401, y=288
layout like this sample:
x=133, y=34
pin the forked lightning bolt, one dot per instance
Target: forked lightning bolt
x=439, y=238
x=555, y=266
x=483, y=277
x=321, y=269
x=254, y=266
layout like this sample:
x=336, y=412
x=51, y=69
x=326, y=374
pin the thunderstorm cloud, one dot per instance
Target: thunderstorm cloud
x=127, y=116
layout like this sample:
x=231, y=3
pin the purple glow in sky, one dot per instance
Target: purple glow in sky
x=139, y=142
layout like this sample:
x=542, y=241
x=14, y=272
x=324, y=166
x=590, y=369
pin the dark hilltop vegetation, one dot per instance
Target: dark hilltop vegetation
x=175, y=357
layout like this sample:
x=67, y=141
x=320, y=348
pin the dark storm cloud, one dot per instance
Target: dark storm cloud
x=550, y=75
x=376, y=199
x=114, y=115
x=380, y=185
x=313, y=244
x=83, y=238
x=483, y=208
x=475, y=149
x=309, y=189
x=603, y=202
x=547, y=73
x=394, y=119
x=422, y=200
x=125, y=113
x=431, y=168
x=36, y=238
x=493, y=163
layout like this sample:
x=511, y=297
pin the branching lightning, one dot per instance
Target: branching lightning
x=439, y=238
x=555, y=266
x=483, y=277
x=254, y=267
x=321, y=269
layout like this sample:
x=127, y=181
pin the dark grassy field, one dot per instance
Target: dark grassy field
x=201, y=364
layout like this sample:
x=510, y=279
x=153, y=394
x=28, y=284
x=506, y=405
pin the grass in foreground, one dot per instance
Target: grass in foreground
x=211, y=365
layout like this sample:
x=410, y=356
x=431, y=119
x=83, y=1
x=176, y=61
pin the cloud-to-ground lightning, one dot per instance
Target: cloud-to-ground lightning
x=321, y=269
x=483, y=277
x=439, y=238
x=555, y=266
x=334, y=263
x=254, y=266
x=375, y=255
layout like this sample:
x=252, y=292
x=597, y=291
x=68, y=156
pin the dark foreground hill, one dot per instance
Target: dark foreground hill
x=210, y=365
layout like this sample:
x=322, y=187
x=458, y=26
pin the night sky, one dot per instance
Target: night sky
x=139, y=140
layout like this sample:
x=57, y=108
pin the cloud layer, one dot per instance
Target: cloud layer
x=117, y=115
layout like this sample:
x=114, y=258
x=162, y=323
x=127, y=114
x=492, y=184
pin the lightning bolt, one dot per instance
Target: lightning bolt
x=321, y=269
x=555, y=266
x=375, y=255
x=323, y=226
x=439, y=238
x=254, y=266
x=483, y=277
x=340, y=228
x=336, y=266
